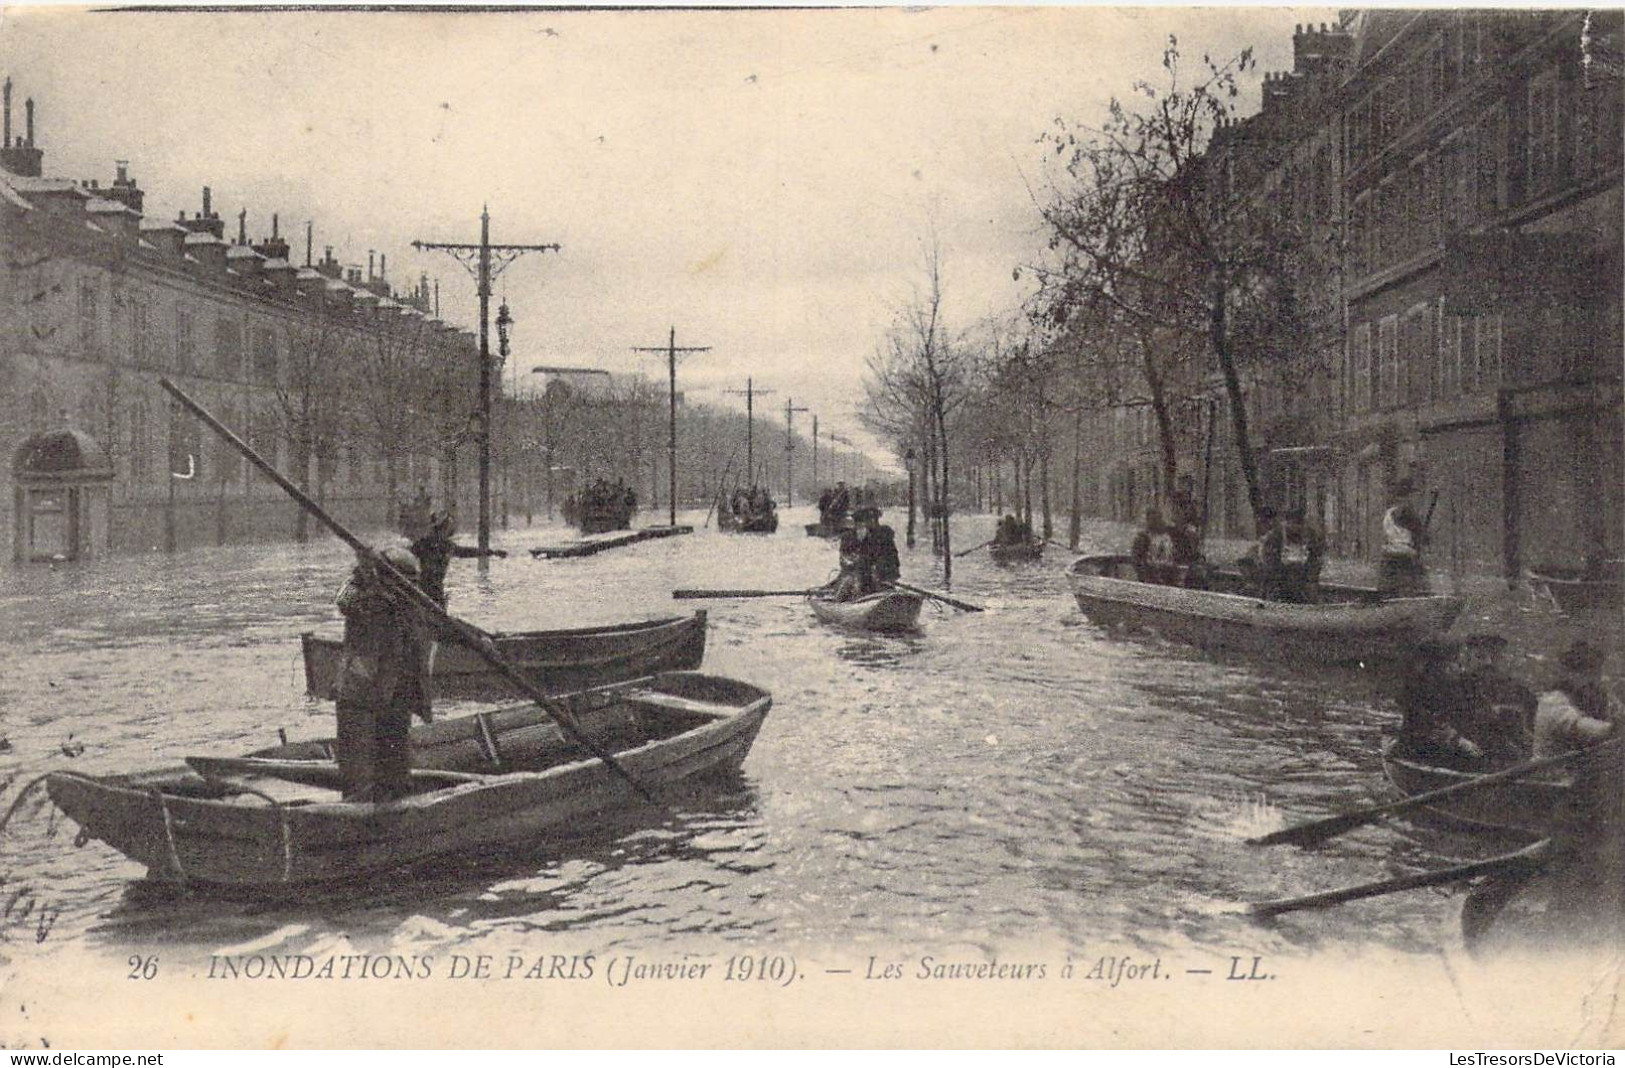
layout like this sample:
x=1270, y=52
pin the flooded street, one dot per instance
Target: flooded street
x=999, y=778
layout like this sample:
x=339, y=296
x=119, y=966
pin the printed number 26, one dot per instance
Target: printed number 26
x=143, y=968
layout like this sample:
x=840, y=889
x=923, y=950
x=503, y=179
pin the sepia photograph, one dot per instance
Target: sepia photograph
x=661, y=527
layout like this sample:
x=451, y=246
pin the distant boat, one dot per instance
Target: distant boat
x=1345, y=624
x=558, y=661
x=1578, y=589
x=1016, y=552
x=889, y=611
x=272, y=822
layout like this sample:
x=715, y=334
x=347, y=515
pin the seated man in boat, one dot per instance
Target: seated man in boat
x=1303, y=551
x=382, y=680
x=869, y=560
x=824, y=500
x=1498, y=710
x=840, y=503
x=1153, y=551
x=1431, y=704
x=1404, y=535
x=1577, y=711
x=1008, y=531
x=434, y=552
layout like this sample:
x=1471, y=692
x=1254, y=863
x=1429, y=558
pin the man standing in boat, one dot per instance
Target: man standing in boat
x=1303, y=550
x=869, y=560
x=1404, y=535
x=1153, y=550
x=435, y=550
x=382, y=679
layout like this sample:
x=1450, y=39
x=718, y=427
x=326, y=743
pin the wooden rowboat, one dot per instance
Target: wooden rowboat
x=1518, y=806
x=1016, y=553
x=259, y=826
x=558, y=661
x=1575, y=589
x=889, y=611
x=1344, y=624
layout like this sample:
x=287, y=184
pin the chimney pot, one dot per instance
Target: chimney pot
x=7, y=94
x=383, y=265
x=28, y=114
x=204, y=214
x=273, y=224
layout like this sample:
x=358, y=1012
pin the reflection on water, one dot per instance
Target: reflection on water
x=1015, y=774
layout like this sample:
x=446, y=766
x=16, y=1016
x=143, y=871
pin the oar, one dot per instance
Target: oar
x=1523, y=860
x=967, y=552
x=480, y=647
x=1308, y=834
x=964, y=606
x=695, y=595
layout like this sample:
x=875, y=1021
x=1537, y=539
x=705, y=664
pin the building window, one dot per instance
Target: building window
x=1417, y=355
x=1359, y=387
x=228, y=347
x=140, y=333
x=1542, y=147
x=262, y=436
x=90, y=327
x=1487, y=350
x=1491, y=176
x=139, y=452
x=1448, y=379
x=265, y=356
x=1388, y=362
x=228, y=463
x=185, y=342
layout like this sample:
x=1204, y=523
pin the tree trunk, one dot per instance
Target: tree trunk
x=1043, y=492
x=1165, y=431
x=1219, y=335
x=947, y=545
x=1074, y=529
x=391, y=487
x=301, y=459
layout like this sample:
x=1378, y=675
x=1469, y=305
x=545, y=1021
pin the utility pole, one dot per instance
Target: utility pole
x=751, y=393
x=671, y=350
x=484, y=261
x=815, y=451
x=790, y=452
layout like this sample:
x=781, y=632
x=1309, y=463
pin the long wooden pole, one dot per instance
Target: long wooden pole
x=482, y=649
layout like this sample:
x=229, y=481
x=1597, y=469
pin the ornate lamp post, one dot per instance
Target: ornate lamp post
x=908, y=459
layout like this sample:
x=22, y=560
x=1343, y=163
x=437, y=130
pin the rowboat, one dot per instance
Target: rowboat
x=1016, y=552
x=1344, y=624
x=750, y=523
x=255, y=824
x=1517, y=806
x=1576, y=589
x=558, y=661
x=887, y=611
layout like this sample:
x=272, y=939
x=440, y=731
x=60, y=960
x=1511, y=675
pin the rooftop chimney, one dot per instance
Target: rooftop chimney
x=310, y=235
x=242, y=227
x=28, y=118
x=369, y=265
x=207, y=214
x=18, y=155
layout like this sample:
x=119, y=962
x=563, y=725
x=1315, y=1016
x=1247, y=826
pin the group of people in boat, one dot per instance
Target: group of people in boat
x=835, y=506
x=1461, y=709
x=604, y=503
x=1167, y=551
x=869, y=561
x=389, y=643
x=751, y=505
x=1013, y=531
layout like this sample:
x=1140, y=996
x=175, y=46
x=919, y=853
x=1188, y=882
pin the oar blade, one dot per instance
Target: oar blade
x=1313, y=834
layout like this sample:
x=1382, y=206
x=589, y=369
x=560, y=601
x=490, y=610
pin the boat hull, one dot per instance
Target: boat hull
x=1521, y=806
x=1573, y=592
x=888, y=612
x=168, y=821
x=1016, y=554
x=1365, y=630
x=558, y=661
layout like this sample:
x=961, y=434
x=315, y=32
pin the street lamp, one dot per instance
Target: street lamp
x=908, y=460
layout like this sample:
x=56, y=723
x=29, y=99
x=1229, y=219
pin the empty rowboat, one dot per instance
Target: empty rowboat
x=556, y=661
x=258, y=824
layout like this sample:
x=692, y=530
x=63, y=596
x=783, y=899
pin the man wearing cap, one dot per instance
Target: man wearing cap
x=1403, y=536
x=1498, y=710
x=434, y=552
x=383, y=678
x=1577, y=711
x=869, y=558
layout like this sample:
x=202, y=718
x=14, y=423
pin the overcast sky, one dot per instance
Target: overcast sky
x=762, y=180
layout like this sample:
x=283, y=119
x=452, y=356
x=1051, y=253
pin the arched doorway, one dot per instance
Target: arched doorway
x=62, y=480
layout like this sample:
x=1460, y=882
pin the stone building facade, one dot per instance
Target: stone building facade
x=97, y=302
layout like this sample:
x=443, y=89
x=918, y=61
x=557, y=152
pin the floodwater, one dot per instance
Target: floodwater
x=1010, y=776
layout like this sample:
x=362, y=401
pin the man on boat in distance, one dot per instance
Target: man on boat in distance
x=434, y=551
x=1431, y=704
x=1008, y=532
x=1153, y=551
x=1404, y=535
x=1577, y=711
x=382, y=679
x=1500, y=710
x=840, y=503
